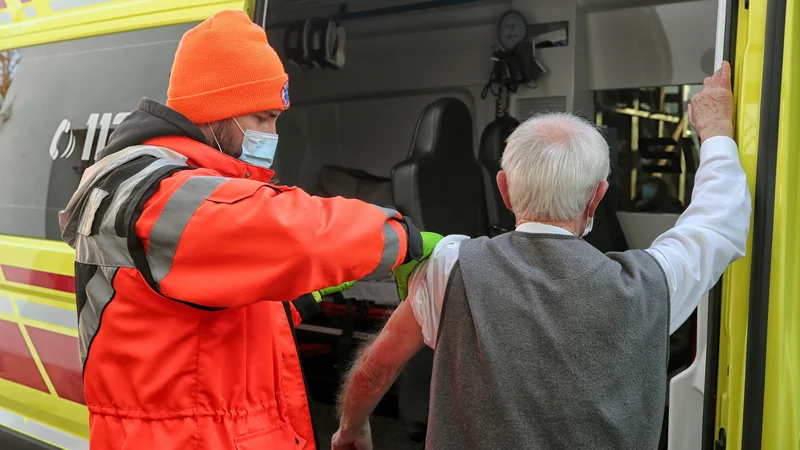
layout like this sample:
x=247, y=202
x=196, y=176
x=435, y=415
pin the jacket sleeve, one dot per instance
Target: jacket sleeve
x=219, y=242
x=303, y=308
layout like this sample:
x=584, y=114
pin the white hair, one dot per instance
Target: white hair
x=553, y=164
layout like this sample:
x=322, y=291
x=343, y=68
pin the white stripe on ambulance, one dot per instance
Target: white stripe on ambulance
x=38, y=430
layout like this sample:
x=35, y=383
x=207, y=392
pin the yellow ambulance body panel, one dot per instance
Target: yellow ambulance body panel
x=33, y=22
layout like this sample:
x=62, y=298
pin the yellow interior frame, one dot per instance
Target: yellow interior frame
x=781, y=425
x=781, y=421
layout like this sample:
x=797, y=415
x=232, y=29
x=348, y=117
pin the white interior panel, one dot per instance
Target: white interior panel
x=686, y=393
x=641, y=229
x=363, y=116
x=651, y=45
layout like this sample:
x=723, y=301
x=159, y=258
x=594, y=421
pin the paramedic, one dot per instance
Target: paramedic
x=540, y=340
x=187, y=258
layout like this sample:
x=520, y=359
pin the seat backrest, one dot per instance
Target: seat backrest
x=490, y=153
x=607, y=234
x=440, y=184
x=337, y=181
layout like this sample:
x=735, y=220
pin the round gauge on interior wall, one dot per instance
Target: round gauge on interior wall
x=513, y=29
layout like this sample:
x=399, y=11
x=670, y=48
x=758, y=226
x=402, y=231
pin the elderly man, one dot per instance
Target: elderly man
x=540, y=340
x=186, y=255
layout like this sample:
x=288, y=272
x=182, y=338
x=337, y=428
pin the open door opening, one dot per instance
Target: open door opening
x=365, y=82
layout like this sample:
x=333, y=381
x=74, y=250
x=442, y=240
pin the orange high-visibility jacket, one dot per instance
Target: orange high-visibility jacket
x=185, y=260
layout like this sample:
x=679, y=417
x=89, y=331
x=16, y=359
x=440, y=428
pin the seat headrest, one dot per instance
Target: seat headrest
x=493, y=141
x=444, y=127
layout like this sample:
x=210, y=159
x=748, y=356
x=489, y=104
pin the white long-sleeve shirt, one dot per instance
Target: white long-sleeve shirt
x=708, y=236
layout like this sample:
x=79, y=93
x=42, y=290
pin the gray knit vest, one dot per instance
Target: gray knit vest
x=546, y=343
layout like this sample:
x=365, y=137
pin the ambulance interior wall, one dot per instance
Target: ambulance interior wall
x=363, y=116
x=659, y=45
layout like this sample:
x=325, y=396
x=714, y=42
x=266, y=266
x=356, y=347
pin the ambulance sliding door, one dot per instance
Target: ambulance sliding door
x=752, y=403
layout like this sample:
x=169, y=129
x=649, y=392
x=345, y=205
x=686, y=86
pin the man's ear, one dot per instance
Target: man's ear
x=602, y=188
x=502, y=185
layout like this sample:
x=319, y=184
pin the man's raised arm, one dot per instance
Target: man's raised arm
x=712, y=232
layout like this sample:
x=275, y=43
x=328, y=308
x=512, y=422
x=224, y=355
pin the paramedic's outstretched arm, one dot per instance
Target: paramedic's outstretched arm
x=305, y=306
x=219, y=242
x=712, y=232
x=372, y=375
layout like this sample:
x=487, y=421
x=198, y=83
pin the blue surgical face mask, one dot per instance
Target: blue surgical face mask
x=258, y=148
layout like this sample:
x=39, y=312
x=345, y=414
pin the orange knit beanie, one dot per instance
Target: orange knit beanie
x=225, y=68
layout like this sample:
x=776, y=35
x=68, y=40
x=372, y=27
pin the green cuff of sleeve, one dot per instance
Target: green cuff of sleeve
x=403, y=272
x=331, y=290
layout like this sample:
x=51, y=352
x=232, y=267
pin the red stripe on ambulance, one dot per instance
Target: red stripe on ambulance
x=59, y=355
x=16, y=362
x=48, y=280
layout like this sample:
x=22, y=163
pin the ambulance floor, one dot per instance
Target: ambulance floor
x=386, y=432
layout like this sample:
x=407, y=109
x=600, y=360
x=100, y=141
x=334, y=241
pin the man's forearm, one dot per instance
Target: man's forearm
x=365, y=386
x=375, y=371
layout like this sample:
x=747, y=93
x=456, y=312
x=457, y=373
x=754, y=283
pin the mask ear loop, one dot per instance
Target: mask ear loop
x=240, y=127
x=589, y=219
x=219, y=147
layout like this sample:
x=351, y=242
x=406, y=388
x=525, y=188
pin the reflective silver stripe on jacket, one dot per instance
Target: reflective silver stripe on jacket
x=391, y=243
x=96, y=172
x=124, y=192
x=168, y=229
x=93, y=233
x=99, y=291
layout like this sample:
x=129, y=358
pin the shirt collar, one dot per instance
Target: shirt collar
x=201, y=155
x=541, y=228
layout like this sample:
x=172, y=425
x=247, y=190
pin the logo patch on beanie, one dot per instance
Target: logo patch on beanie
x=285, y=94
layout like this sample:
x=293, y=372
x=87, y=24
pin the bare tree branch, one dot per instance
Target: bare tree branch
x=9, y=60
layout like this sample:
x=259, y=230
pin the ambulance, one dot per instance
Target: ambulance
x=381, y=88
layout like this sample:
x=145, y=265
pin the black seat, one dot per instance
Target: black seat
x=337, y=181
x=440, y=184
x=607, y=234
x=493, y=142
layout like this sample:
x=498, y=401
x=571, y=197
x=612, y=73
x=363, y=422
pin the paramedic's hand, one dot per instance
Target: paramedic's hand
x=359, y=439
x=401, y=273
x=711, y=109
x=331, y=290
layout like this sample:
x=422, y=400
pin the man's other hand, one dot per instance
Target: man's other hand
x=711, y=109
x=402, y=272
x=359, y=439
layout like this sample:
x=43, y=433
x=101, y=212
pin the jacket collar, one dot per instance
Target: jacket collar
x=201, y=155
